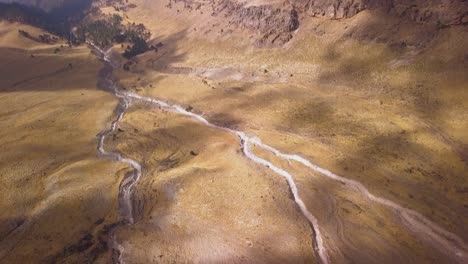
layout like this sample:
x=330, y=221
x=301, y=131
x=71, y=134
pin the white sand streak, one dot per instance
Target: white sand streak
x=129, y=182
x=126, y=188
x=249, y=154
x=414, y=220
x=314, y=222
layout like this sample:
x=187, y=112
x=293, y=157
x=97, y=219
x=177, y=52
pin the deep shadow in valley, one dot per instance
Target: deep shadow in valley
x=86, y=245
x=58, y=20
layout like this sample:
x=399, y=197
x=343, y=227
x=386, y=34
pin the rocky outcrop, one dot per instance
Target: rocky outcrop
x=275, y=25
x=442, y=12
x=274, y=22
x=337, y=8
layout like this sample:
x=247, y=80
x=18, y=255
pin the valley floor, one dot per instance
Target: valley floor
x=381, y=135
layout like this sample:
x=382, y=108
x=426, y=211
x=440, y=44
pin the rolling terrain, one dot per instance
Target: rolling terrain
x=55, y=189
x=250, y=132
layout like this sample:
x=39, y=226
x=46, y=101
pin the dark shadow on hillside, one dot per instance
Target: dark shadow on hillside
x=58, y=20
x=418, y=92
x=33, y=73
x=30, y=175
x=345, y=69
x=409, y=49
x=67, y=66
x=167, y=54
x=83, y=246
x=42, y=76
x=158, y=60
x=379, y=154
x=162, y=141
x=396, y=167
x=157, y=194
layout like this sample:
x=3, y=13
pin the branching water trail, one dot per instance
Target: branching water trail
x=132, y=178
x=415, y=221
x=129, y=182
x=320, y=248
x=126, y=187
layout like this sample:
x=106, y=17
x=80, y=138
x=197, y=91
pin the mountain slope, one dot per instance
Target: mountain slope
x=355, y=144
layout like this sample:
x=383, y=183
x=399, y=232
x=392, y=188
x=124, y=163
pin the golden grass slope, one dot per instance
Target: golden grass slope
x=393, y=119
x=56, y=194
x=201, y=201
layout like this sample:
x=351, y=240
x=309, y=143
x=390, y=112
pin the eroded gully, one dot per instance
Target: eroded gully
x=427, y=230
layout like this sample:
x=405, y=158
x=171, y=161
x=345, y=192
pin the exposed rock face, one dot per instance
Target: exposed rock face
x=274, y=24
x=275, y=21
x=336, y=8
x=444, y=12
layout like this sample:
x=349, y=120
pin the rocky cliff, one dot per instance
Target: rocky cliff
x=445, y=12
x=275, y=21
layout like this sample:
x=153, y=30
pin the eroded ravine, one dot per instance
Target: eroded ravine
x=125, y=192
x=131, y=178
x=425, y=229
x=416, y=222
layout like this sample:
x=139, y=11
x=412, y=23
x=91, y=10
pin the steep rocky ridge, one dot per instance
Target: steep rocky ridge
x=445, y=12
x=274, y=22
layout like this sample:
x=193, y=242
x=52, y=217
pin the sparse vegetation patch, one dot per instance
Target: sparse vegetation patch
x=110, y=30
x=43, y=38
